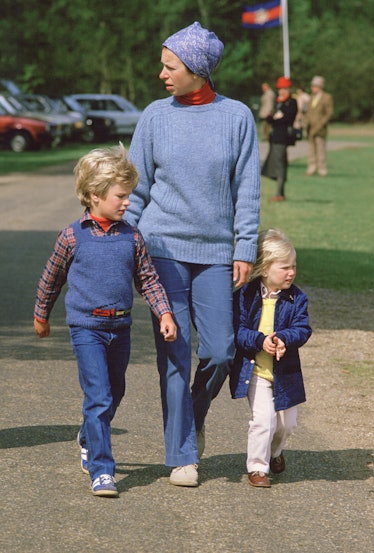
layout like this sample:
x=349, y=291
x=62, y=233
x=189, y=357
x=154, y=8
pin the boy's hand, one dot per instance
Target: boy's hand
x=41, y=329
x=168, y=328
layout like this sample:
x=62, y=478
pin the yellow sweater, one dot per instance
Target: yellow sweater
x=264, y=361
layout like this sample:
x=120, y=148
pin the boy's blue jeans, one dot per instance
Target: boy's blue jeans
x=102, y=358
x=201, y=294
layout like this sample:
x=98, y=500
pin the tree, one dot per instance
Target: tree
x=58, y=47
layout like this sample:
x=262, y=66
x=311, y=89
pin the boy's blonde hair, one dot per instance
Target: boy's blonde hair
x=102, y=168
x=273, y=245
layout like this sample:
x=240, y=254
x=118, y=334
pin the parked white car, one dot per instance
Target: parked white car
x=112, y=106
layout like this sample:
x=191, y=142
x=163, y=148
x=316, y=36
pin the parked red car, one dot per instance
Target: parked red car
x=24, y=133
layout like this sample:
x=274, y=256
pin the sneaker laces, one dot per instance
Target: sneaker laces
x=103, y=480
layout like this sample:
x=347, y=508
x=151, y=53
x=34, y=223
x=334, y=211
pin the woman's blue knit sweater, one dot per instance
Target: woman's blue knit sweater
x=199, y=190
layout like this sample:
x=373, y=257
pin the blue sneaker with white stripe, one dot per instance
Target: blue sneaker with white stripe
x=84, y=456
x=104, y=486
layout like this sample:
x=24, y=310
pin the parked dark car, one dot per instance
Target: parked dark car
x=13, y=106
x=98, y=127
x=40, y=103
x=120, y=111
x=23, y=133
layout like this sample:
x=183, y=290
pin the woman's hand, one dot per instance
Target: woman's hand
x=241, y=273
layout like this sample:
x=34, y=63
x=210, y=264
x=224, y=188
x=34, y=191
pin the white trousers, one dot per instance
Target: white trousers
x=268, y=429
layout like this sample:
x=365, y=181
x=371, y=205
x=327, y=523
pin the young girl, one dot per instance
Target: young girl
x=271, y=324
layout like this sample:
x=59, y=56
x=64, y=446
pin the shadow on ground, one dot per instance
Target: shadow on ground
x=332, y=466
x=326, y=465
x=30, y=436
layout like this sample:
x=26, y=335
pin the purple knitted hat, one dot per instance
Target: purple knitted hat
x=199, y=49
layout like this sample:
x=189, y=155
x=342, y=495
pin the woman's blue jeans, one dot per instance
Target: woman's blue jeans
x=201, y=294
x=102, y=358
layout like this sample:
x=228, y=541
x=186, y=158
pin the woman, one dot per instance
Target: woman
x=197, y=205
x=276, y=163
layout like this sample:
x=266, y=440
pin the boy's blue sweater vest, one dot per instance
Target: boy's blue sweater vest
x=100, y=294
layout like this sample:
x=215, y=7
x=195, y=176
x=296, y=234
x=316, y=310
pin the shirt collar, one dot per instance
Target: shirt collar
x=266, y=294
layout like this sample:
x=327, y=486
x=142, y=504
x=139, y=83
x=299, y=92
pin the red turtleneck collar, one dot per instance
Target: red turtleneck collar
x=103, y=222
x=204, y=95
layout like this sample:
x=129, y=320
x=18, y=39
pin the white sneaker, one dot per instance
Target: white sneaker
x=200, y=437
x=185, y=476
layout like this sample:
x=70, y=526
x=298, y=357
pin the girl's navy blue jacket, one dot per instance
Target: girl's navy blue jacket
x=291, y=324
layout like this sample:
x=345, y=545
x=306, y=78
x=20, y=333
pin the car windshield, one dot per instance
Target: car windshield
x=106, y=104
x=33, y=104
x=72, y=103
x=126, y=105
x=16, y=103
x=5, y=103
x=57, y=105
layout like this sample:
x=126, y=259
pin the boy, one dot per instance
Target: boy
x=98, y=256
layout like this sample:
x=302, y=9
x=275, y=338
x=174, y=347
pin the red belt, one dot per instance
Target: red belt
x=110, y=312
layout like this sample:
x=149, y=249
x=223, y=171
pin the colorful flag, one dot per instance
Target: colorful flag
x=262, y=16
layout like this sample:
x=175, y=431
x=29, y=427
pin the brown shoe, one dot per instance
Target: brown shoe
x=277, y=464
x=277, y=199
x=259, y=479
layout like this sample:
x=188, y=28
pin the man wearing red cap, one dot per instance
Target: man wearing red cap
x=318, y=115
x=276, y=163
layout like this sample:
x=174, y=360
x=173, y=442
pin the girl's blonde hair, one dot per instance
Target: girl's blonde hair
x=273, y=245
x=102, y=168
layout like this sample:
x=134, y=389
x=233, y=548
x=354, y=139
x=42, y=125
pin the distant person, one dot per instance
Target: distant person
x=271, y=324
x=276, y=163
x=302, y=98
x=317, y=117
x=98, y=256
x=197, y=205
x=266, y=109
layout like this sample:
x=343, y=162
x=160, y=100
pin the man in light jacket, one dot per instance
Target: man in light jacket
x=317, y=117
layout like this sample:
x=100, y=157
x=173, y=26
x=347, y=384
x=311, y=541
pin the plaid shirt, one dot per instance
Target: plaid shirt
x=56, y=270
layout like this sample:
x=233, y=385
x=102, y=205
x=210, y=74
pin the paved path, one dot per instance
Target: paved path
x=322, y=503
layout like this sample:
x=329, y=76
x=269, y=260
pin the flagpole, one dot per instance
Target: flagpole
x=286, y=47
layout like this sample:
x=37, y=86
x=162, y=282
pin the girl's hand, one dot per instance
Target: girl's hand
x=168, y=328
x=269, y=345
x=280, y=348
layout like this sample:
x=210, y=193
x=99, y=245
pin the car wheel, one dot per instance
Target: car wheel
x=88, y=136
x=19, y=142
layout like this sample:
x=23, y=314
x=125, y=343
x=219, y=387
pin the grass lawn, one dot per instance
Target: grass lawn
x=330, y=220
x=11, y=162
